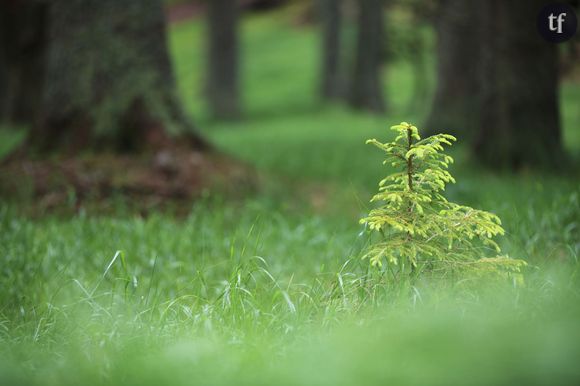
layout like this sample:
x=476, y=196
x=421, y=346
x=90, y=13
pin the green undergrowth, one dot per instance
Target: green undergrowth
x=257, y=293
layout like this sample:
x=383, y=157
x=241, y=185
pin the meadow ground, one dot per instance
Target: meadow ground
x=270, y=289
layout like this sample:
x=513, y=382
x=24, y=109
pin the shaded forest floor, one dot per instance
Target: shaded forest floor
x=182, y=12
x=170, y=178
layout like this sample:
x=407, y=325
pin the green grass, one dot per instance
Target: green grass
x=270, y=289
x=261, y=294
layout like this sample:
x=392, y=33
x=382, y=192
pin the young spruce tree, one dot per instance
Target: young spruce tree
x=416, y=222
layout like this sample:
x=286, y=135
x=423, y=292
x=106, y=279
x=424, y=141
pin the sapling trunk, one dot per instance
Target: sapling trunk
x=410, y=182
x=410, y=160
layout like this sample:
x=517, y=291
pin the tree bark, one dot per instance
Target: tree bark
x=223, y=87
x=109, y=82
x=520, y=122
x=366, y=85
x=330, y=18
x=454, y=105
x=22, y=49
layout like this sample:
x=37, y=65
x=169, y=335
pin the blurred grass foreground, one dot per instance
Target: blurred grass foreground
x=265, y=285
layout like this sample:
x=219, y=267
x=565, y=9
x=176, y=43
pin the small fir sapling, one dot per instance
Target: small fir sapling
x=416, y=222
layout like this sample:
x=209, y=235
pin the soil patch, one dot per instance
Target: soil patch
x=146, y=181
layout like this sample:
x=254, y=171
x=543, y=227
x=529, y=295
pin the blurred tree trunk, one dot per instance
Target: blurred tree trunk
x=366, y=85
x=423, y=13
x=454, y=105
x=520, y=122
x=22, y=49
x=109, y=82
x=330, y=19
x=222, y=87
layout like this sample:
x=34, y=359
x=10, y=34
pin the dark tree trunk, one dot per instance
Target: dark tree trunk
x=222, y=87
x=330, y=18
x=520, y=123
x=366, y=85
x=454, y=106
x=22, y=49
x=109, y=82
